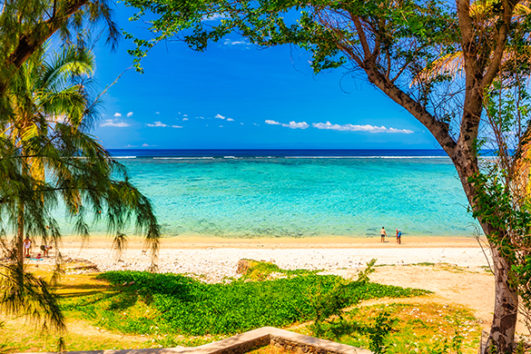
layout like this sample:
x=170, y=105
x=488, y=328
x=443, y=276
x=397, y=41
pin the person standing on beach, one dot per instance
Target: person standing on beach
x=398, y=236
x=27, y=246
x=383, y=234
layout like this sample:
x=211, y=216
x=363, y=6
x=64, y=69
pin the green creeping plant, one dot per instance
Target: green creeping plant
x=179, y=304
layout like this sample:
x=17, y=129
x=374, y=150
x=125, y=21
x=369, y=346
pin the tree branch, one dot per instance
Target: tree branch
x=35, y=37
x=494, y=66
x=440, y=130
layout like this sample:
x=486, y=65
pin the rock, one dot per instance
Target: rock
x=244, y=265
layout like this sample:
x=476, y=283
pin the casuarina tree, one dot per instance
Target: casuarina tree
x=47, y=156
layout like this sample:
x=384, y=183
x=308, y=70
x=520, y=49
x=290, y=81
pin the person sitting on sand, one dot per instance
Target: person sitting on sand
x=398, y=236
x=383, y=234
x=27, y=246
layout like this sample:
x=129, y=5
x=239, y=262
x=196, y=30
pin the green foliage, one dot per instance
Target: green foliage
x=26, y=26
x=376, y=331
x=405, y=328
x=317, y=26
x=329, y=320
x=380, y=330
x=47, y=156
x=331, y=302
x=166, y=303
x=266, y=270
x=363, y=276
x=502, y=198
x=22, y=293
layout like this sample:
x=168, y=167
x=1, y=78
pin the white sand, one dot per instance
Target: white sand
x=216, y=263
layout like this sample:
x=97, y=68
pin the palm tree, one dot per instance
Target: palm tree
x=41, y=96
x=47, y=157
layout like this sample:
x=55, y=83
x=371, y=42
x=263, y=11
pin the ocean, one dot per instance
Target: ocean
x=300, y=193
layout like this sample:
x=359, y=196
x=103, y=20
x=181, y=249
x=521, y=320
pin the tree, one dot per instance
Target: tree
x=44, y=141
x=47, y=157
x=26, y=25
x=392, y=43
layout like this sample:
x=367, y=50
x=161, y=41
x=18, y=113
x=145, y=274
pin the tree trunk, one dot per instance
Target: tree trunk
x=466, y=163
x=501, y=336
x=505, y=309
x=20, y=237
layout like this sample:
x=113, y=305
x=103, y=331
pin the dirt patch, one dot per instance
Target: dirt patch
x=470, y=288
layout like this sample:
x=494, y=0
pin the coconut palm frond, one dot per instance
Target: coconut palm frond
x=450, y=64
x=482, y=8
x=69, y=104
x=522, y=9
x=69, y=63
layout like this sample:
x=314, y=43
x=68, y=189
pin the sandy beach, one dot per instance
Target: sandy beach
x=214, y=259
x=453, y=268
x=325, y=241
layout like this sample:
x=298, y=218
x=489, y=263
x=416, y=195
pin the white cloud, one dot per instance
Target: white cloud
x=230, y=119
x=145, y=145
x=292, y=124
x=185, y=115
x=114, y=123
x=157, y=124
x=200, y=117
x=214, y=17
x=296, y=125
x=129, y=114
x=157, y=113
x=360, y=128
x=219, y=116
x=185, y=119
x=176, y=126
x=236, y=42
x=117, y=115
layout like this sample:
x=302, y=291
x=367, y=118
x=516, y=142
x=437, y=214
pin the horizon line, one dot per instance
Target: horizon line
x=242, y=149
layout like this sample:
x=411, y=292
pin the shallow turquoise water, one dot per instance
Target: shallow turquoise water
x=296, y=197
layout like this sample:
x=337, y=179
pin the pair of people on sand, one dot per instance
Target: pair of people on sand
x=383, y=234
x=27, y=247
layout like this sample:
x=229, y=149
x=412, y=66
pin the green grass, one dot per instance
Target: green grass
x=259, y=270
x=147, y=303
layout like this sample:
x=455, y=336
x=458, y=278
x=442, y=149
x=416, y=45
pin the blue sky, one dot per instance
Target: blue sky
x=236, y=95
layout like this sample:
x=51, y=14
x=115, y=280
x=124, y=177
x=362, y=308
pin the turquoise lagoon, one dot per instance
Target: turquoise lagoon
x=300, y=193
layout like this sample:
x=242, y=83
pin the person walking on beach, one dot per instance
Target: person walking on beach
x=383, y=234
x=27, y=246
x=398, y=236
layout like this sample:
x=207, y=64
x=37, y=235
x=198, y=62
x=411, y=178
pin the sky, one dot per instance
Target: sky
x=236, y=95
